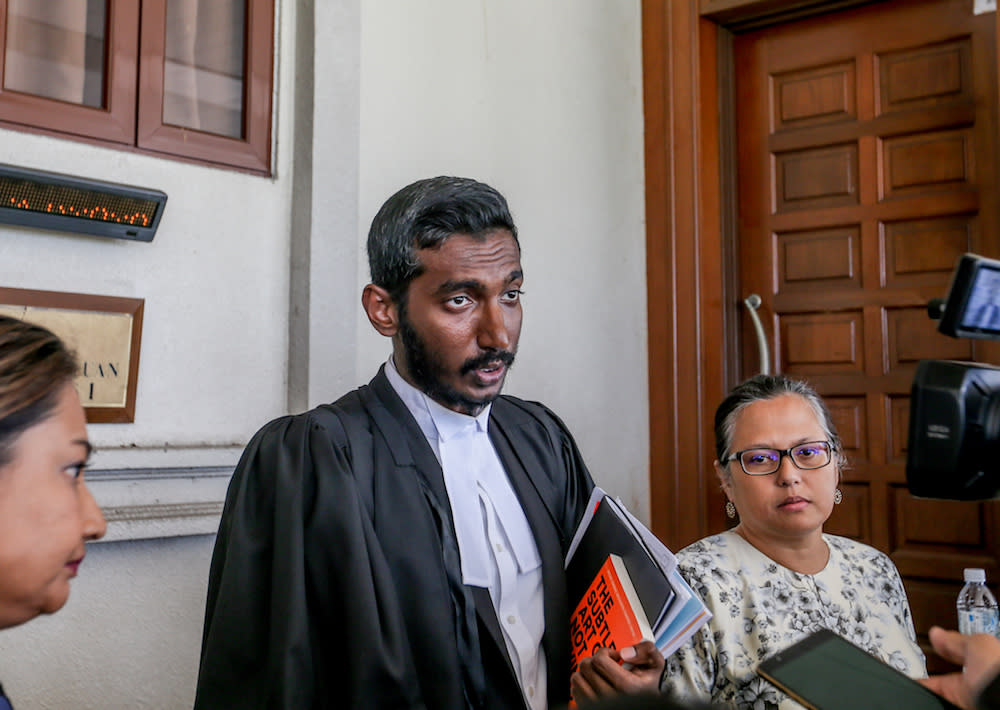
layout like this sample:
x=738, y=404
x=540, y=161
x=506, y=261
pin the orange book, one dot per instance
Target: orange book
x=609, y=614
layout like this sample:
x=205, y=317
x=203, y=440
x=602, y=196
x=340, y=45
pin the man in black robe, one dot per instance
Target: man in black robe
x=403, y=547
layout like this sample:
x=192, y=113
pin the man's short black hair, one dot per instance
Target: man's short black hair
x=423, y=215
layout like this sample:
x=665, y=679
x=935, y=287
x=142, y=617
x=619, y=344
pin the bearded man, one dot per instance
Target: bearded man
x=403, y=547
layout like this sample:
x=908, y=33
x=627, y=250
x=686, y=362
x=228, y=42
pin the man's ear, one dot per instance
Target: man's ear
x=381, y=310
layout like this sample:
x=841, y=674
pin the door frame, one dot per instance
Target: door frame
x=693, y=309
x=682, y=161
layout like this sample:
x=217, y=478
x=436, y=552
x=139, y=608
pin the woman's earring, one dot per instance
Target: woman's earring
x=731, y=509
x=838, y=497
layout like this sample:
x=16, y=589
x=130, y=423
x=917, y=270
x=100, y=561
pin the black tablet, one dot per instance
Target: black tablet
x=825, y=671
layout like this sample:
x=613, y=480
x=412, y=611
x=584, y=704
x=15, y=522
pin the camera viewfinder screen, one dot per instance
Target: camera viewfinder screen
x=982, y=310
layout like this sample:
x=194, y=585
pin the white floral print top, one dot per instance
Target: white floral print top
x=760, y=607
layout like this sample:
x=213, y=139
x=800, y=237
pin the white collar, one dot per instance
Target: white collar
x=437, y=422
x=439, y=425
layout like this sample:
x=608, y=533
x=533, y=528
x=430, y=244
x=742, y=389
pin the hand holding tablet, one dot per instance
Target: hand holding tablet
x=826, y=672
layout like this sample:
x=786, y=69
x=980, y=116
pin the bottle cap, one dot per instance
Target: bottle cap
x=975, y=574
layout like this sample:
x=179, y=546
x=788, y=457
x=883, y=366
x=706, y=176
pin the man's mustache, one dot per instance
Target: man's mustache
x=488, y=358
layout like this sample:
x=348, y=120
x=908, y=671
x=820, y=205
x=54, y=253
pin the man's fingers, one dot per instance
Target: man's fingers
x=643, y=654
x=951, y=687
x=596, y=676
x=934, y=682
x=950, y=645
x=580, y=689
x=608, y=677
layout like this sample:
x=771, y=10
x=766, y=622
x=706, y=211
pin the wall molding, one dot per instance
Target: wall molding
x=149, y=503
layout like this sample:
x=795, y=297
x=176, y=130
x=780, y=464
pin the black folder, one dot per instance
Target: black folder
x=609, y=531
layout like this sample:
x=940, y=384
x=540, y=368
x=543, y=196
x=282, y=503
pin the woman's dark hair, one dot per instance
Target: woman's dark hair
x=34, y=367
x=763, y=387
x=422, y=216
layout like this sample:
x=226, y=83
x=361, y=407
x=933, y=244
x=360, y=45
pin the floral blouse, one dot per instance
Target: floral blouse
x=760, y=607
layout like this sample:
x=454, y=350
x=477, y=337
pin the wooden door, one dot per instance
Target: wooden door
x=867, y=150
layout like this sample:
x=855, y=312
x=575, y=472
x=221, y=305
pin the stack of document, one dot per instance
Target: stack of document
x=672, y=608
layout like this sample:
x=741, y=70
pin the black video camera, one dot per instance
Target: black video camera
x=954, y=437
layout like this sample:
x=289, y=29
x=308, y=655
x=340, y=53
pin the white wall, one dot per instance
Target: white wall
x=127, y=639
x=542, y=100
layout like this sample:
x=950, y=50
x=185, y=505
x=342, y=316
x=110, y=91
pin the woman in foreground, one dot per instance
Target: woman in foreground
x=46, y=512
x=776, y=576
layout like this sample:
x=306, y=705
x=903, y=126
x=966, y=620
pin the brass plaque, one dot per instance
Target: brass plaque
x=103, y=331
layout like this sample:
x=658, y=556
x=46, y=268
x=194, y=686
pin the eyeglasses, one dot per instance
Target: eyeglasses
x=761, y=462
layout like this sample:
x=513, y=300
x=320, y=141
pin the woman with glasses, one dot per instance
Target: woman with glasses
x=47, y=514
x=776, y=576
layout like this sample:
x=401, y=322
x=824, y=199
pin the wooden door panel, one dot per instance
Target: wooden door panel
x=813, y=96
x=933, y=604
x=897, y=411
x=933, y=204
x=819, y=257
x=821, y=343
x=862, y=139
x=921, y=522
x=852, y=518
x=925, y=77
x=937, y=539
x=930, y=161
x=911, y=337
x=850, y=416
x=923, y=251
x=816, y=178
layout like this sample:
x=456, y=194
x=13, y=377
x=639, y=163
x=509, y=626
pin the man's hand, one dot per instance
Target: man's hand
x=979, y=654
x=604, y=675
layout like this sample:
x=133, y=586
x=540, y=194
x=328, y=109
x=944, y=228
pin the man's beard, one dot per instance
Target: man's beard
x=426, y=370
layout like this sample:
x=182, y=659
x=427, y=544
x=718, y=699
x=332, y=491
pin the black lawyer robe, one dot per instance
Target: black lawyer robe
x=336, y=581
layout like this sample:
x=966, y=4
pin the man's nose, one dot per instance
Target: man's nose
x=493, y=333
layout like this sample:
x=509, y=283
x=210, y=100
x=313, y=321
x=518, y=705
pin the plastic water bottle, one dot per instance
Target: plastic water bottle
x=977, y=607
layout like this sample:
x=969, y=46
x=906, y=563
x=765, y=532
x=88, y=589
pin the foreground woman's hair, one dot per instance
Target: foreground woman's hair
x=34, y=367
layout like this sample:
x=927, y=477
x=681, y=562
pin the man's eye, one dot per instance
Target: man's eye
x=513, y=295
x=758, y=458
x=459, y=300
